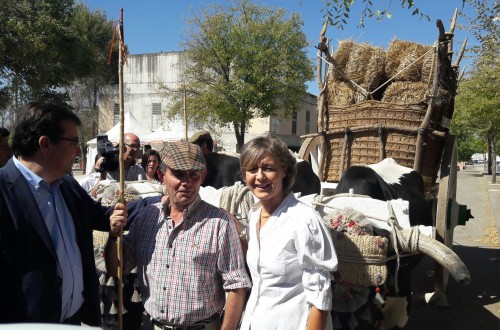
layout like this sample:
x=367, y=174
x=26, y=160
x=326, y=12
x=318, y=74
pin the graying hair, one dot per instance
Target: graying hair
x=267, y=145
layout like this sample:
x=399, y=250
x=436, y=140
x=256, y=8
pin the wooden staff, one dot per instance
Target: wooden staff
x=121, y=61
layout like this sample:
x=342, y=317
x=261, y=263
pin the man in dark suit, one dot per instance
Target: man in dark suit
x=46, y=219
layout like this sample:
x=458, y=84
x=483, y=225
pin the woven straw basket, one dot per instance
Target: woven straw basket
x=361, y=258
x=377, y=130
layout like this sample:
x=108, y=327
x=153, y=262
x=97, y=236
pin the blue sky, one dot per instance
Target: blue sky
x=153, y=26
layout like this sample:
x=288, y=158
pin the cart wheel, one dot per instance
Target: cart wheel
x=445, y=219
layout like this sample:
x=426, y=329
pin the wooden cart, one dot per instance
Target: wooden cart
x=416, y=135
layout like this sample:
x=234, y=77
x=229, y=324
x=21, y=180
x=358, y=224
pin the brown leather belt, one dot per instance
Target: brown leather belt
x=200, y=325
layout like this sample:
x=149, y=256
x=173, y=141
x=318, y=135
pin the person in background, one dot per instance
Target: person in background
x=290, y=252
x=91, y=182
x=204, y=140
x=5, y=150
x=131, y=171
x=48, y=272
x=187, y=252
x=151, y=164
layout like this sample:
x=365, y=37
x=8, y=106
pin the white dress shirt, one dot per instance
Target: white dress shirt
x=289, y=265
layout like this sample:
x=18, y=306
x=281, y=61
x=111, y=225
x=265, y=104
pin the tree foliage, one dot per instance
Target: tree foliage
x=339, y=11
x=46, y=45
x=36, y=44
x=244, y=62
x=477, y=105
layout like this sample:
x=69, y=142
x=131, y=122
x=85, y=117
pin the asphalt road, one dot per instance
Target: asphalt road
x=476, y=306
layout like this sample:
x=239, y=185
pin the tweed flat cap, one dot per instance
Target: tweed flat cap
x=183, y=156
x=200, y=135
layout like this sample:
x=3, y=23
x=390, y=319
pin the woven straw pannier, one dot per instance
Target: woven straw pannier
x=377, y=130
x=361, y=258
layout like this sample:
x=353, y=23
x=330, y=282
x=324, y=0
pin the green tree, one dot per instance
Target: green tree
x=244, y=62
x=36, y=47
x=339, y=11
x=477, y=106
x=478, y=103
x=469, y=143
x=46, y=45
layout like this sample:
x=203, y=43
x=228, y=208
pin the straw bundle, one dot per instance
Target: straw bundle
x=376, y=68
x=356, y=68
x=341, y=57
x=395, y=53
x=406, y=92
x=412, y=63
x=340, y=94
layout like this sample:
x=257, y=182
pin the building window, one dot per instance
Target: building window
x=116, y=113
x=294, y=123
x=308, y=121
x=155, y=114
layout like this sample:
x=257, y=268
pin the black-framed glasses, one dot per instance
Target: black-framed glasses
x=133, y=146
x=74, y=141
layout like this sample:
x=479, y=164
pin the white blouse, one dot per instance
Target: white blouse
x=289, y=265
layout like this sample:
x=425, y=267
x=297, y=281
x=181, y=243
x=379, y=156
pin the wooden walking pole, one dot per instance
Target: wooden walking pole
x=121, y=49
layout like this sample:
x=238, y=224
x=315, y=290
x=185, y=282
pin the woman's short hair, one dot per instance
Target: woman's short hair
x=268, y=145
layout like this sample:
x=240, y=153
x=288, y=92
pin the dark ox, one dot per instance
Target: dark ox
x=224, y=170
x=388, y=181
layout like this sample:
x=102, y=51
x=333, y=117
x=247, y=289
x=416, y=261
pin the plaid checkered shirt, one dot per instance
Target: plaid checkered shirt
x=184, y=271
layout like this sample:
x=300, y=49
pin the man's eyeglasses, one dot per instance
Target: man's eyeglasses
x=73, y=141
x=133, y=146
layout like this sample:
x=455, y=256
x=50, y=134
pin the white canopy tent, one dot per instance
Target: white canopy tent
x=169, y=131
x=131, y=125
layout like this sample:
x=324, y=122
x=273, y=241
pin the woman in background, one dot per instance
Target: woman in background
x=151, y=163
x=290, y=250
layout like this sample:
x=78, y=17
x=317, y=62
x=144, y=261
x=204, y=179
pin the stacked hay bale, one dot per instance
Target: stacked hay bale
x=357, y=70
x=410, y=65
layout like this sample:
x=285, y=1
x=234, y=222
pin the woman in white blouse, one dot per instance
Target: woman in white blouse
x=290, y=251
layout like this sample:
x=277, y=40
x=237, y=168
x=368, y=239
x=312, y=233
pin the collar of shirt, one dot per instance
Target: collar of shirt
x=284, y=204
x=187, y=211
x=33, y=179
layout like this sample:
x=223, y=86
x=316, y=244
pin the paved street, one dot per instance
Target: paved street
x=476, y=306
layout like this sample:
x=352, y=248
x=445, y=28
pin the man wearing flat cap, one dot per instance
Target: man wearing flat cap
x=187, y=252
x=204, y=140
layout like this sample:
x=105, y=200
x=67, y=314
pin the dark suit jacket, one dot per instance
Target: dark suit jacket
x=30, y=289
